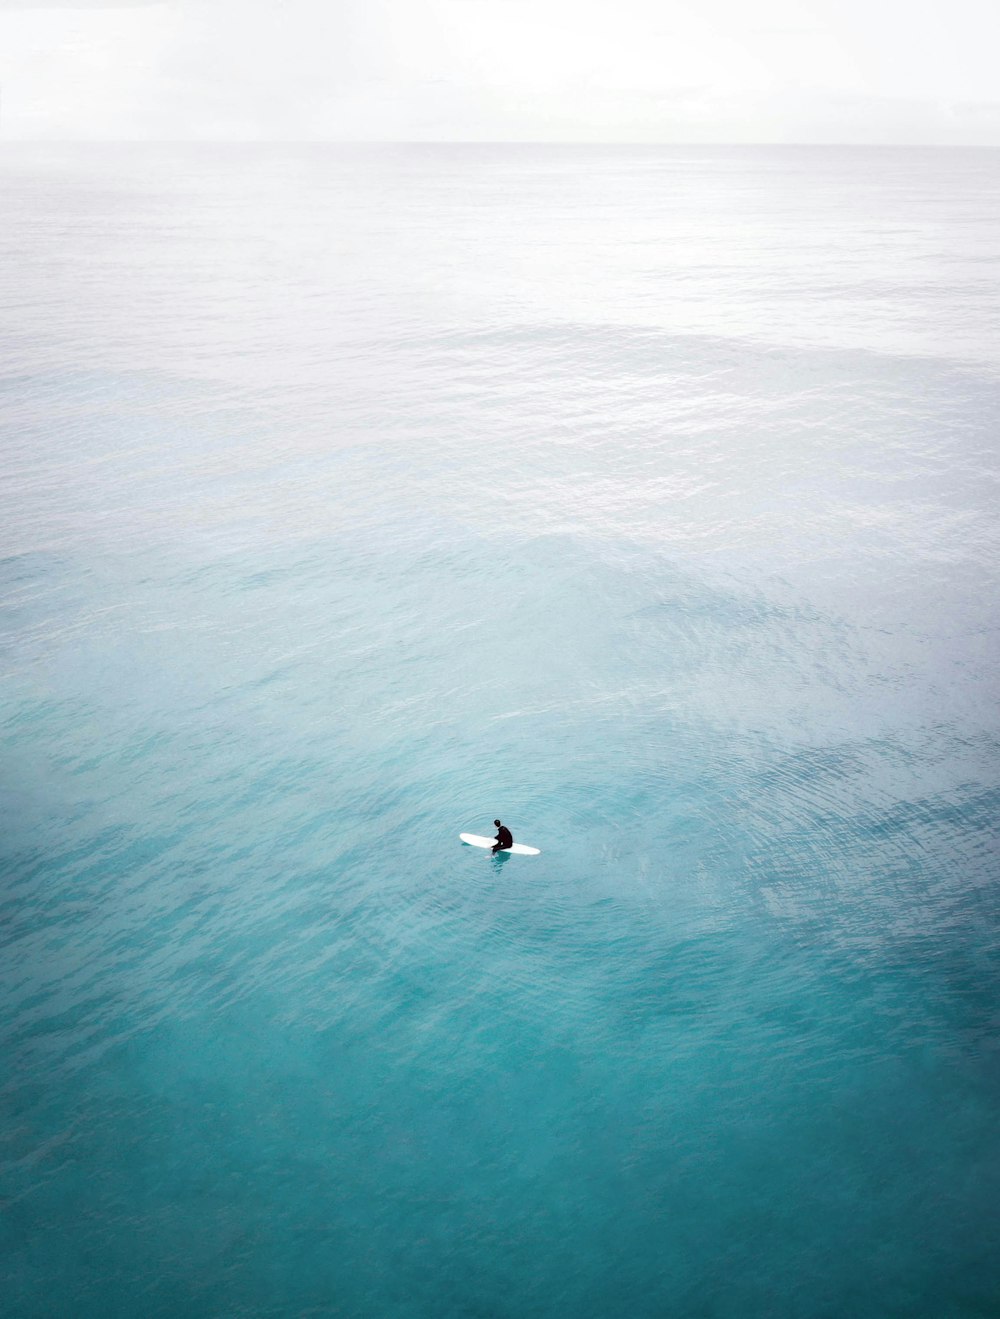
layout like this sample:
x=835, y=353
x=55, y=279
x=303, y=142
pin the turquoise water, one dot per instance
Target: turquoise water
x=646, y=499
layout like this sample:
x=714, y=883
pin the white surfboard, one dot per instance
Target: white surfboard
x=474, y=840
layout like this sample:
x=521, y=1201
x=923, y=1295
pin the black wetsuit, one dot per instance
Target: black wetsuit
x=504, y=839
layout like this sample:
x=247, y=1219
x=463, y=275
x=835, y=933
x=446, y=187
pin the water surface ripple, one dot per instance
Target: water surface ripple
x=644, y=498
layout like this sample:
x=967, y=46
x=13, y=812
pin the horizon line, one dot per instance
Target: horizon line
x=489, y=142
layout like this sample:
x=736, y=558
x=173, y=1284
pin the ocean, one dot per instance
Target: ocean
x=645, y=498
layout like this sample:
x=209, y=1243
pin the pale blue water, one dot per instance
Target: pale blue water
x=646, y=499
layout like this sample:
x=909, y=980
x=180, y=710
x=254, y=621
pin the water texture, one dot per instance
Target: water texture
x=644, y=498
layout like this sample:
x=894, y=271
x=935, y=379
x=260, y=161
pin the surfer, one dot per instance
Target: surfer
x=504, y=838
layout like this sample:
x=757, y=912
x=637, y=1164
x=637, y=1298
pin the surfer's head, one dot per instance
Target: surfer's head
x=497, y=823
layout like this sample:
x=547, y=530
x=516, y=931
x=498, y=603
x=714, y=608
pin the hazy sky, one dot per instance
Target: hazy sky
x=565, y=70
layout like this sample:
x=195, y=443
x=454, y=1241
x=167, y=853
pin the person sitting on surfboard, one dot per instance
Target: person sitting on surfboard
x=504, y=838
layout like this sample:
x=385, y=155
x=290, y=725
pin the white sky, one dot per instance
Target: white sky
x=563, y=70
